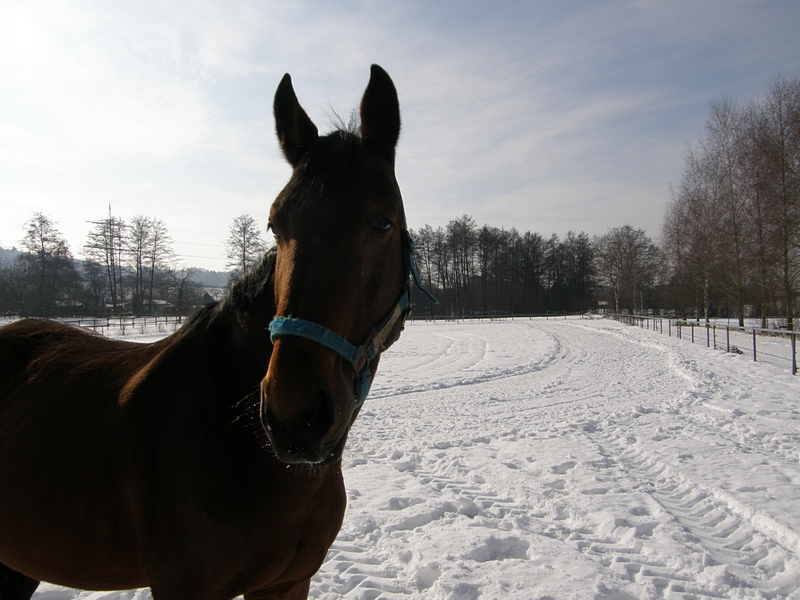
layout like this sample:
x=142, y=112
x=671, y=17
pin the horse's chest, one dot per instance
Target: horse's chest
x=281, y=536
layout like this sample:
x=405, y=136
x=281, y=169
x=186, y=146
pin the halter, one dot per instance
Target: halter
x=359, y=356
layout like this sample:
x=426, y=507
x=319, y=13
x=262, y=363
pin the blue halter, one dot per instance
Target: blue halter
x=359, y=356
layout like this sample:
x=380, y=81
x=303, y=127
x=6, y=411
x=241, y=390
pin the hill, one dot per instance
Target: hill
x=8, y=254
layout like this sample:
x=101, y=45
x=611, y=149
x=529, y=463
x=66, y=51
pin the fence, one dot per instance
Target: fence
x=114, y=326
x=739, y=340
x=119, y=326
x=494, y=316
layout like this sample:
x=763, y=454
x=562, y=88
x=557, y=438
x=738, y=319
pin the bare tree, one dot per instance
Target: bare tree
x=245, y=246
x=722, y=148
x=695, y=212
x=628, y=262
x=462, y=238
x=580, y=275
x=532, y=266
x=51, y=264
x=781, y=143
x=753, y=172
x=17, y=278
x=160, y=256
x=183, y=289
x=424, y=242
x=137, y=242
x=95, y=287
x=105, y=246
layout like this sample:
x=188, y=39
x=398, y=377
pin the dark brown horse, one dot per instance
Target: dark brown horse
x=208, y=464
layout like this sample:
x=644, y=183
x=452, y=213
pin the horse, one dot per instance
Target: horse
x=207, y=465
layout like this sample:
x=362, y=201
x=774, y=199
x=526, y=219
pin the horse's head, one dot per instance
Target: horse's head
x=340, y=272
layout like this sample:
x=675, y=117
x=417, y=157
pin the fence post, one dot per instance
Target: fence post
x=715, y=337
x=708, y=336
x=794, y=353
x=693, y=333
x=669, y=327
x=728, y=338
x=754, y=344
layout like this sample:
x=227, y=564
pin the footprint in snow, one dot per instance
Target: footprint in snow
x=500, y=549
x=401, y=503
x=562, y=468
x=557, y=484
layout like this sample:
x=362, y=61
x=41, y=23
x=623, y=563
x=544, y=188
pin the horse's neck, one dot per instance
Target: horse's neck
x=238, y=328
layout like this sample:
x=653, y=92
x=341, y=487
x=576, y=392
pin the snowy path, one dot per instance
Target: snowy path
x=566, y=459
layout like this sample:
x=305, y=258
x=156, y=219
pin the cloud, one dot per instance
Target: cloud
x=510, y=110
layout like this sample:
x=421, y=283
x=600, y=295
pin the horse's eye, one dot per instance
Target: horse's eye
x=382, y=226
x=271, y=227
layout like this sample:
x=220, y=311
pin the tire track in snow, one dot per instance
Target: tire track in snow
x=460, y=365
x=736, y=554
x=739, y=554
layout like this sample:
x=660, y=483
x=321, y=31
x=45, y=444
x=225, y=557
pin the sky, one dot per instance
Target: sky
x=544, y=116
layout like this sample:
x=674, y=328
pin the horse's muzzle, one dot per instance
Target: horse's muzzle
x=301, y=444
x=306, y=412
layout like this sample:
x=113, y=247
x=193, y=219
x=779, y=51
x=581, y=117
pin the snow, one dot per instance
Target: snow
x=576, y=458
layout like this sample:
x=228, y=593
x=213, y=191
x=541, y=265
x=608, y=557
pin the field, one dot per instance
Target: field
x=566, y=459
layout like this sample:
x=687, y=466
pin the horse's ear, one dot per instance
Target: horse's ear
x=380, y=114
x=296, y=132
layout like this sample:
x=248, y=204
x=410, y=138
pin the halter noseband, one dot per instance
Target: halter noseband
x=359, y=356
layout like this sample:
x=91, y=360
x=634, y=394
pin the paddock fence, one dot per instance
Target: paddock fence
x=495, y=316
x=776, y=346
x=120, y=326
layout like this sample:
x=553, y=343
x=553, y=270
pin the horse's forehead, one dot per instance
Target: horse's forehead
x=367, y=184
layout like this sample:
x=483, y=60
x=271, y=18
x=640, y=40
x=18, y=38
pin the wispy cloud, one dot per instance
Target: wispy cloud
x=562, y=115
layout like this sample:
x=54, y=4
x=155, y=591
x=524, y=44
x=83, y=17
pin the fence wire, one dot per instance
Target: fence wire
x=774, y=346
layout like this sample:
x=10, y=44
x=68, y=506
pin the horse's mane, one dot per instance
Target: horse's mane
x=243, y=293
x=250, y=285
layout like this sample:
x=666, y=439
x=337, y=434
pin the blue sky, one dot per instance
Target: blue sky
x=544, y=116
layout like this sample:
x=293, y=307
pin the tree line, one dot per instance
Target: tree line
x=731, y=236
x=484, y=270
x=129, y=267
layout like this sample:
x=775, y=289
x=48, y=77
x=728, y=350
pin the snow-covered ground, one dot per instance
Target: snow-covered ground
x=566, y=459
